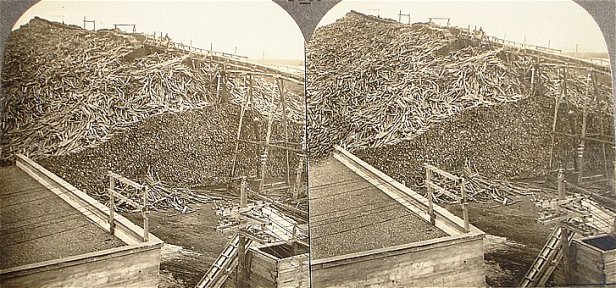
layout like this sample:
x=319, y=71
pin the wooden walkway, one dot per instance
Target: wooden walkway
x=348, y=214
x=36, y=225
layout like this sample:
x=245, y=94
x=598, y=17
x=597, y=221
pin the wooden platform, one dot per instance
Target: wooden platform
x=34, y=220
x=412, y=252
x=64, y=236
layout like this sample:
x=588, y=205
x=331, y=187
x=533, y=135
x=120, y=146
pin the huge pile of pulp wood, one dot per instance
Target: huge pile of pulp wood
x=65, y=89
x=508, y=141
x=373, y=83
x=184, y=150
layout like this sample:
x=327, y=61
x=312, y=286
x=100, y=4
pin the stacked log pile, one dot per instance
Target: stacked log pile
x=374, y=83
x=189, y=149
x=508, y=141
x=65, y=89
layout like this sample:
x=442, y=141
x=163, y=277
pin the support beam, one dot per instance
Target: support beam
x=554, y=121
x=430, y=197
x=585, y=138
x=464, y=203
x=146, y=215
x=582, y=145
x=239, y=128
x=111, y=205
x=264, y=157
x=285, y=126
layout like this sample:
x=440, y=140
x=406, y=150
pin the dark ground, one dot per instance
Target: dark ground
x=195, y=232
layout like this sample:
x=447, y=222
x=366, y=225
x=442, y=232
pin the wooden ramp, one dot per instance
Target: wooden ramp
x=546, y=261
x=223, y=266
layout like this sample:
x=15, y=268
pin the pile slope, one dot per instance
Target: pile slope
x=189, y=149
x=373, y=82
x=507, y=141
x=65, y=89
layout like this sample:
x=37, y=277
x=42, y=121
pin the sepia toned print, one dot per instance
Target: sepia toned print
x=150, y=151
x=444, y=155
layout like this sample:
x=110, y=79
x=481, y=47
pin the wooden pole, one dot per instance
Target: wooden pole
x=464, y=206
x=146, y=215
x=298, y=177
x=582, y=141
x=243, y=194
x=555, y=119
x=601, y=125
x=285, y=124
x=241, y=256
x=430, y=196
x=239, y=128
x=561, y=184
x=111, y=205
x=242, y=274
x=270, y=122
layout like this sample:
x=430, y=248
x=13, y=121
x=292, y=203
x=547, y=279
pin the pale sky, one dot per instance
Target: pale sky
x=561, y=24
x=253, y=26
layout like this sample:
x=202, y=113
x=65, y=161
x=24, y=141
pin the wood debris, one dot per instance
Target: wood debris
x=162, y=197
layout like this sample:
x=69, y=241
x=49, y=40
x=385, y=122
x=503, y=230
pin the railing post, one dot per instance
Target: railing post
x=464, y=206
x=111, y=204
x=243, y=196
x=146, y=215
x=430, y=195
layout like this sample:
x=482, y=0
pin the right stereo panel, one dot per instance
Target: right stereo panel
x=460, y=144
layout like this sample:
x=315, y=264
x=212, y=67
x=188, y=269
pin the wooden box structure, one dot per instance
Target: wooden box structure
x=279, y=264
x=454, y=260
x=135, y=264
x=594, y=260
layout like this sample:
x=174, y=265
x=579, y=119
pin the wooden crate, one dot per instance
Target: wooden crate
x=594, y=260
x=278, y=265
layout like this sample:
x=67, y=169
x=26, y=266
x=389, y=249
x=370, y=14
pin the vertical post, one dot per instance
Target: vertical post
x=561, y=184
x=464, y=205
x=243, y=196
x=111, y=204
x=146, y=215
x=532, y=80
x=565, y=247
x=239, y=128
x=218, y=86
x=430, y=195
x=556, y=106
x=582, y=141
x=614, y=180
x=298, y=177
x=270, y=120
x=241, y=263
x=400, y=17
x=285, y=125
x=601, y=125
